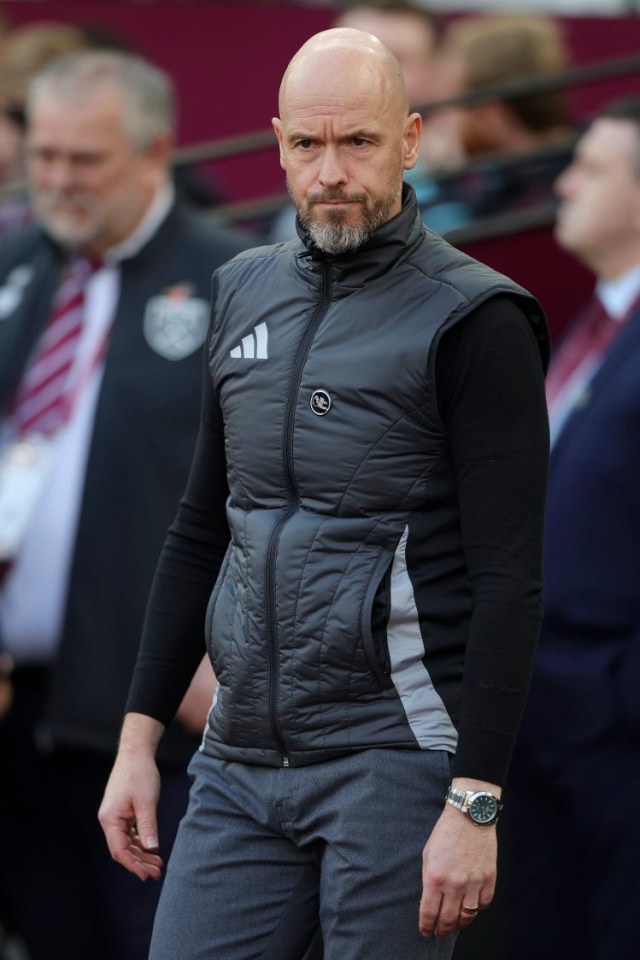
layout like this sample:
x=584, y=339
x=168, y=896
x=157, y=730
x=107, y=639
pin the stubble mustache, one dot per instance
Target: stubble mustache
x=335, y=196
x=50, y=201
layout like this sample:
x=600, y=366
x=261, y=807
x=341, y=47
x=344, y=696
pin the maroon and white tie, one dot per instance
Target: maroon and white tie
x=582, y=349
x=41, y=403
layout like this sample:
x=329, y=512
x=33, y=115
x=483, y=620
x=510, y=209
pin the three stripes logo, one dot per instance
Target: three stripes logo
x=253, y=346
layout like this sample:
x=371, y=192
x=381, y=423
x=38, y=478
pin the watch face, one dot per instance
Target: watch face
x=483, y=808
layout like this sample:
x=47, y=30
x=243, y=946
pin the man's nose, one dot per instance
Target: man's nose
x=59, y=175
x=564, y=183
x=332, y=171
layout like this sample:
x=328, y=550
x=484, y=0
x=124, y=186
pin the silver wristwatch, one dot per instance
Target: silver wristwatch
x=481, y=807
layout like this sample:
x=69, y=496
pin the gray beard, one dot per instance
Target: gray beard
x=337, y=238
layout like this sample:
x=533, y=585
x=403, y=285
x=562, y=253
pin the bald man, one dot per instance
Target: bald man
x=359, y=546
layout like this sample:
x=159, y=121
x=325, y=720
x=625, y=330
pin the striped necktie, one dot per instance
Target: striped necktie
x=583, y=348
x=41, y=403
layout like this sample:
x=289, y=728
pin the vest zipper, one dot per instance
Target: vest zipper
x=272, y=546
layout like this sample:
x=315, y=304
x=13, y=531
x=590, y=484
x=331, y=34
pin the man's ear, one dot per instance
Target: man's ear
x=277, y=126
x=157, y=159
x=160, y=150
x=412, y=132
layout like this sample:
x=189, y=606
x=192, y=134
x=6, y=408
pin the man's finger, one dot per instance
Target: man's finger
x=147, y=829
x=448, y=918
x=130, y=854
x=469, y=909
x=142, y=869
x=429, y=911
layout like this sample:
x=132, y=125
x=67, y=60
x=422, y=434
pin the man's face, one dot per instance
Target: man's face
x=599, y=215
x=90, y=185
x=344, y=149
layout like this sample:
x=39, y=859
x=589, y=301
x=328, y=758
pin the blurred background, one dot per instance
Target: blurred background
x=227, y=60
x=504, y=87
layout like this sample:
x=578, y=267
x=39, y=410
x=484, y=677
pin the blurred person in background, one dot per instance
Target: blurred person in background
x=482, y=51
x=573, y=826
x=23, y=52
x=409, y=31
x=104, y=306
x=27, y=50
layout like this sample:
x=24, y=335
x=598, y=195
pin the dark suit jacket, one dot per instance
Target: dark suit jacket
x=587, y=669
x=143, y=434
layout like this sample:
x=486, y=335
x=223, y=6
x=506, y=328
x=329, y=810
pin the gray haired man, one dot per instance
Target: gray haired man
x=103, y=313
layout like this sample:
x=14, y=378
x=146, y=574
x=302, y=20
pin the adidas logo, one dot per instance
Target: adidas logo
x=253, y=346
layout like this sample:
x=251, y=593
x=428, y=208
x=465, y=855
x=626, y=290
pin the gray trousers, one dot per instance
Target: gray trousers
x=264, y=855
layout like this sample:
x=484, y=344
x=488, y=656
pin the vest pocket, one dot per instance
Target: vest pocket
x=376, y=609
x=213, y=599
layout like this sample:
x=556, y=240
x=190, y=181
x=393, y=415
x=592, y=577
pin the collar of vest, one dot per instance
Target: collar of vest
x=391, y=243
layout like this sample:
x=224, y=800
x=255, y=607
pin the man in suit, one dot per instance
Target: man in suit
x=574, y=828
x=104, y=308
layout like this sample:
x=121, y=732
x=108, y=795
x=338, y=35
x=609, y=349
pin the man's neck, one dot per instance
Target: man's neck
x=146, y=226
x=620, y=292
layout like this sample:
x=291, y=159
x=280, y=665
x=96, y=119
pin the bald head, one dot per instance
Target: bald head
x=349, y=63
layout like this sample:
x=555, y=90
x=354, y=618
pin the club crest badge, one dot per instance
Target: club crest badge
x=175, y=322
x=12, y=291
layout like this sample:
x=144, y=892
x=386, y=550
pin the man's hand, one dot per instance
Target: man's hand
x=128, y=811
x=458, y=869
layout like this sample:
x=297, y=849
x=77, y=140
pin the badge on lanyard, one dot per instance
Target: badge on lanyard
x=12, y=292
x=24, y=467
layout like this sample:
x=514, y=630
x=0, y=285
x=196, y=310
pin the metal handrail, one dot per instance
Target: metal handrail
x=551, y=83
x=509, y=90
x=245, y=211
x=501, y=225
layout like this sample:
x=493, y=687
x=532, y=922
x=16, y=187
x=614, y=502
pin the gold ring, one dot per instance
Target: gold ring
x=470, y=910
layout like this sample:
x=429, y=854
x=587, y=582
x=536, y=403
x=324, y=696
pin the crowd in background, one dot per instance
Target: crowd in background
x=478, y=160
x=492, y=156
